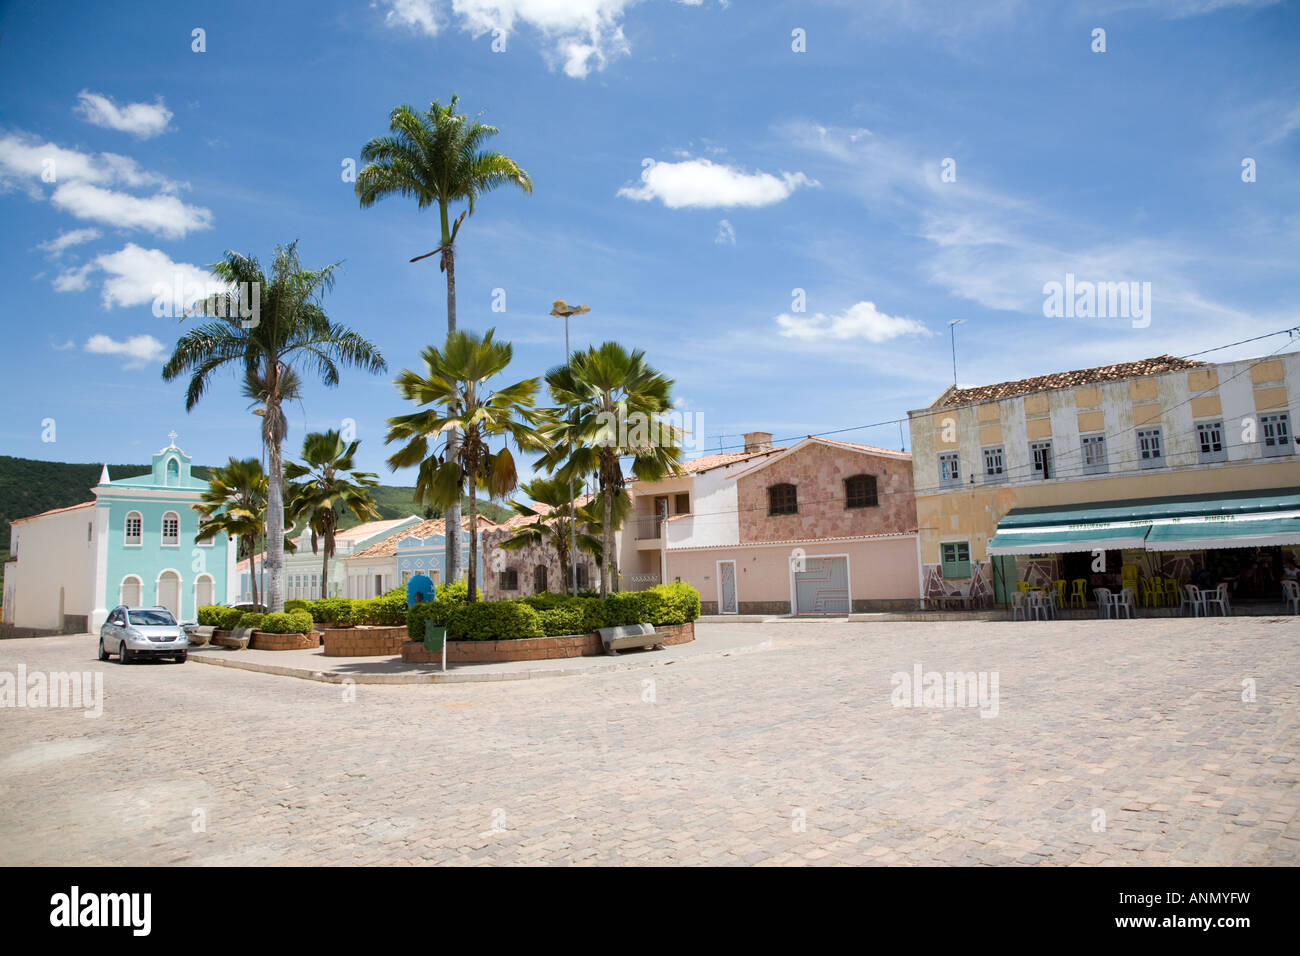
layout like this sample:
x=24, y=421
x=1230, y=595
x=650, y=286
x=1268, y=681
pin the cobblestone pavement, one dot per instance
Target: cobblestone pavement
x=1113, y=743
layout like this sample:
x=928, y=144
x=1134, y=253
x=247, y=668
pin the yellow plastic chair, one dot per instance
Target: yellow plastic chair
x=1128, y=575
x=1060, y=592
x=1078, y=593
x=1022, y=586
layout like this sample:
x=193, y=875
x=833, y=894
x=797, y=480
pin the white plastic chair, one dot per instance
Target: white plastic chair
x=1191, y=598
x=1039, y=604
x=1217, y=597
x=1102, y=596
x=1018, y=606
x=1126, y=601
x=1291, y=596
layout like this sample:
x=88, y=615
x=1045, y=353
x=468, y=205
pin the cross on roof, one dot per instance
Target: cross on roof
x=171, y=436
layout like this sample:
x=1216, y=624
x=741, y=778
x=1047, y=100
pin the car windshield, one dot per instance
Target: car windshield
x=151, y=618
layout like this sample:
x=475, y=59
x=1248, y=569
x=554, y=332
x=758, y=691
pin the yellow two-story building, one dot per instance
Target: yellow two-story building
x=1169, y=467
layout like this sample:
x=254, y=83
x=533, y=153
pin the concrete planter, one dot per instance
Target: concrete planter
x=262, y=641
x=530, y=648
x=363, y=640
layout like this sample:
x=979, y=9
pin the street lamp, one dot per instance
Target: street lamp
x=561, y=308
x=952, y=327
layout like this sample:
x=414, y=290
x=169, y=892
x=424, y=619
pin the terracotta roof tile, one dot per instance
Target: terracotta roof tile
x=425, y=529
x=1083, y=376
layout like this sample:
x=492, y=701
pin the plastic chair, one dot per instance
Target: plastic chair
x=1173, y=593
x=1217, y=597
x=1060, y=592
x=1291, y=596
x=1191, y=599
x=1102, y=596
x=1018, y=601
x=1127, y=602
x=1040, y=604
x=1078, y=593
x=1022, y=587
x=1128, y=576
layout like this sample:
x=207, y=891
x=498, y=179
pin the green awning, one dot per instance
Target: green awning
x=1200, y=535
x=1187, y=522
x=1060, y=539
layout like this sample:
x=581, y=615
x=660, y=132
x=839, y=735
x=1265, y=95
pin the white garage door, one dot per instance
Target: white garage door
x=822, y=587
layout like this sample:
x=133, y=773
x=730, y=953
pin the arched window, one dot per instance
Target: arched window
x=173, y=472
x=133, y=529
x=129, y=593
x=171, y=530
x=860, y=492
x=782, y=500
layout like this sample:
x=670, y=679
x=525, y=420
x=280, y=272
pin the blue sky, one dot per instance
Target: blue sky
x=773, y=171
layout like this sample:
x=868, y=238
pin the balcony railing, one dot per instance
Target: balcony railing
x=641, y=582
x=649, y=527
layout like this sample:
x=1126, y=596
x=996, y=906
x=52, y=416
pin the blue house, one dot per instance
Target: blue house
x=148, y=551
x=134, y=543
x=419, y=549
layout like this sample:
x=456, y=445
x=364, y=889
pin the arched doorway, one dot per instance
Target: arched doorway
x=169, y=592
x=129, y=593
x=202, y=592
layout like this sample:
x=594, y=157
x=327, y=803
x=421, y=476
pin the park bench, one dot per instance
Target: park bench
x=618, y=639
x=237, y=639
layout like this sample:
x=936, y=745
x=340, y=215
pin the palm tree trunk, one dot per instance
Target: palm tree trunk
x=325, y=567
x=607, y=539
x=473, y=544
x=274, y=519
x=451, y=529
x=252, y=567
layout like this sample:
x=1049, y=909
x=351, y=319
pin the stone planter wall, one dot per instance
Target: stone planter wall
x=528, y=649
x=263, y=641
x=363, y=641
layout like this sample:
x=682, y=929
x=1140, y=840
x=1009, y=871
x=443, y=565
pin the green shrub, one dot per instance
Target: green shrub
x=683, y=599
x=290, y=622
x=297, y=604
x=493, y=621
x=387, y=610
x=335, y=611
x=250, y=619
x=547, y=601
x=561, y=620
x=227, y=618
x=420, y=613
x=209, y=615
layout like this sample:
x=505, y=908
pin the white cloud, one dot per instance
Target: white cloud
x=73, y=237
x=138, y=350
x=701, y=183
x=160, y=214
x=860, y=321
x=726, y=235
x=135, y=276
x=27, y=157
x=142, y=120
x=584, y=34
x=63, y=346
x=74, y=280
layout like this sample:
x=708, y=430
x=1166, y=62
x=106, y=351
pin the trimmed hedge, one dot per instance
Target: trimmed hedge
x=297, y=604
x=250, y=619
x=552, y=615
x=290, y=622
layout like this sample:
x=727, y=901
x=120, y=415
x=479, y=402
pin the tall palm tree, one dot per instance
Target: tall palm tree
x=454, y=385
x=609, y=402
x=332, y=487
x=234, y=503
x=438, y=157
x=290, y=327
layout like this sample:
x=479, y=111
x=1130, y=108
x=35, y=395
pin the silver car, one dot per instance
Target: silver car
x=134, y=633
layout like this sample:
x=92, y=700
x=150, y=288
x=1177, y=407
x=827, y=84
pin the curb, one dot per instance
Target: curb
x=455, y=677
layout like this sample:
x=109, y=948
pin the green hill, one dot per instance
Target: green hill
x=28, y=487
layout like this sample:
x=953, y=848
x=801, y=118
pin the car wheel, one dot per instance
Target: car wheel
x=103, y=654
x=182, y=657
x=123, y=654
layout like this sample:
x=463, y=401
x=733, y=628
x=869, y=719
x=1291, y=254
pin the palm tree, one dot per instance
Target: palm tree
x=609, y=403
x=437, y=157
x=454, y=385
x=332, y=488
x=290, y=326
x=235, y=503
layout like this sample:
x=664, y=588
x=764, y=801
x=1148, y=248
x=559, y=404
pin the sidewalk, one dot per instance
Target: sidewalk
x=312, y=664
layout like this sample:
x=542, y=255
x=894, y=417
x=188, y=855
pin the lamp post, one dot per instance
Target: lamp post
x=561, y=308
x=952, y=327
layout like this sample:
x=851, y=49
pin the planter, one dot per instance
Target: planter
x=530, y=648
x=363, y=640
x=262, y=641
